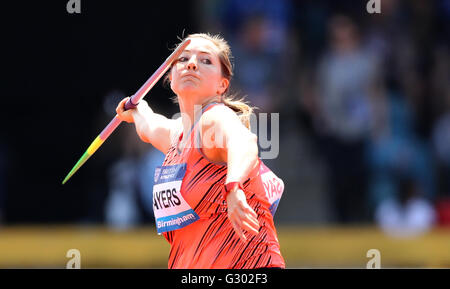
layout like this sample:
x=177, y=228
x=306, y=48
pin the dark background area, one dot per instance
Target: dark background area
x=59, y=67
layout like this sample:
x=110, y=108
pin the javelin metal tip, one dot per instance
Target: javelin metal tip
x=75, y=168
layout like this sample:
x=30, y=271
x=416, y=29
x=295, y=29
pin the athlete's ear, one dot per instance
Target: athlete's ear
x=223, y=85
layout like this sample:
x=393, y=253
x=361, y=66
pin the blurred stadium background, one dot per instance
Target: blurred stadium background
x=364, y=132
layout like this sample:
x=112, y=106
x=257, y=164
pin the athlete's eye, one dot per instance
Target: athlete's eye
x=182, y=59
x=207, y=61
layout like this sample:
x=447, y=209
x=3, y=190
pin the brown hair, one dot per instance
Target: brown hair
x=237, y=104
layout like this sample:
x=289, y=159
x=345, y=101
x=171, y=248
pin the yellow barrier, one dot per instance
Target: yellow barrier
x=347, y=247
x=46, y=247
x=99, y=247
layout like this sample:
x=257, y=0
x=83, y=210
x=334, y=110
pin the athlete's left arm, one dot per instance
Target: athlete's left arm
x=237, y=146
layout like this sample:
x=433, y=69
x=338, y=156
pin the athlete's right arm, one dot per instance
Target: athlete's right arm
x=151, y=127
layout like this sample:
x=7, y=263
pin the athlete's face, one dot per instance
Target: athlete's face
x=197, y=72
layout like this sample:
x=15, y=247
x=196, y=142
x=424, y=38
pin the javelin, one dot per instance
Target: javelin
x=131, y=103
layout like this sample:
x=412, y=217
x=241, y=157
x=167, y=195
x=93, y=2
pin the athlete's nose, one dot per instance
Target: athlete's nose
x=192, y=64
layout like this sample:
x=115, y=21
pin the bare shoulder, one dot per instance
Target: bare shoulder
x=222, y=123
x=220, y=115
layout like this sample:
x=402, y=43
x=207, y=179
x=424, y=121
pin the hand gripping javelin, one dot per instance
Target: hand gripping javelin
x=131, y=103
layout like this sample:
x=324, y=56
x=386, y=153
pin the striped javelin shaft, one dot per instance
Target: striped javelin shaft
x=99, y=140
x=131, y=103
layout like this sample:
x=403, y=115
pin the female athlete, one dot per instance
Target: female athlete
x=213, y=197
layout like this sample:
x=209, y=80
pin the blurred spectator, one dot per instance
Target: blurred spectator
x=346, y=77
x=398, y=147
x=401, y=170
x=408, y=215
x=347, y=74
x=121, y=209
x=257, y=32
x=255, y=74
x=276, y=15
x=394, y=146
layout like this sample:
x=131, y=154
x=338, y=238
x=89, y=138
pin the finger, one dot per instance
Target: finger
x=253, y=222
x=248, y=212
x=246, y=223
x=238, y=215
x=238, y=231
x=251, y=211
x=120, y=106
x=250, y=228
x=252, y=217
x=248, y=217
x=124, y=101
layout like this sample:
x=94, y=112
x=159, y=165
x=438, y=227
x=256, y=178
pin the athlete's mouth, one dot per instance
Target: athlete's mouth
x=190, y=75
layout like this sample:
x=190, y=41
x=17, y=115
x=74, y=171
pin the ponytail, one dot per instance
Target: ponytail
x=240, y=107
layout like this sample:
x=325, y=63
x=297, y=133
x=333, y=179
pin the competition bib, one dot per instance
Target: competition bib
x=273, y=186
x=171, y=211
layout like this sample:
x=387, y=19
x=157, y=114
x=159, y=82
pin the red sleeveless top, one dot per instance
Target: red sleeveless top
x=210, y=242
